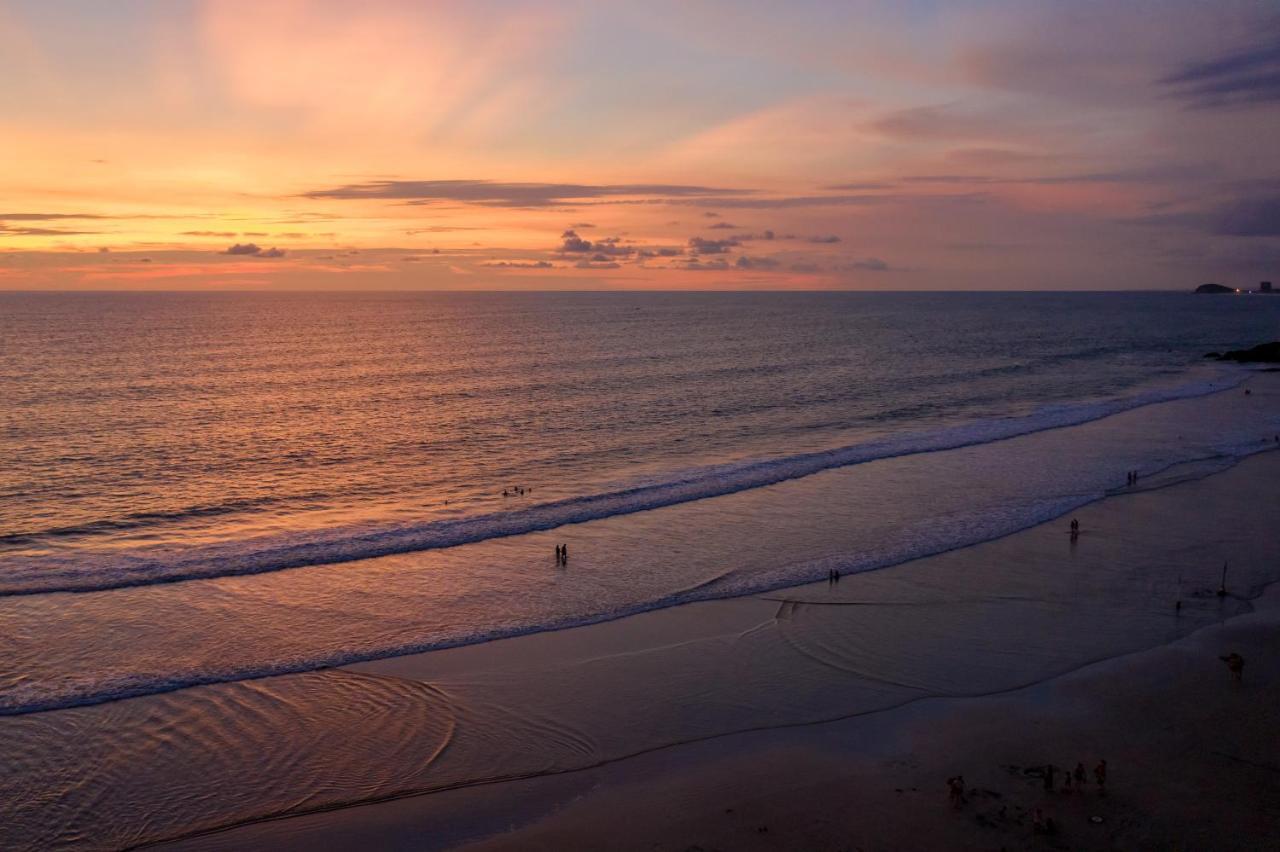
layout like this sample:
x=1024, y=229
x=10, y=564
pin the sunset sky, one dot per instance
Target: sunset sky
x=683, y=145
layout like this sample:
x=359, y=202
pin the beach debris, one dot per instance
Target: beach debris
x=1096, y=820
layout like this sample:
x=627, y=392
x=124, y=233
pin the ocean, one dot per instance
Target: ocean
x=208, y=487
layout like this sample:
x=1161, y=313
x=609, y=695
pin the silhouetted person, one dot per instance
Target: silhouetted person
x=1235, y=665
x=557, y=554
x=955, y=791
x=1100, y=776
x=564, y=553
x=1081, y=777
x=1177, y=607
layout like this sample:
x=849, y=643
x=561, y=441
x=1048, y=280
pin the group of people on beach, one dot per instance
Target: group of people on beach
x=1132, y=477
x=562, y=554
x=515, y=491
x=1073, y=780
x=1075, y=529
x=1076, y=778
x=833, y=576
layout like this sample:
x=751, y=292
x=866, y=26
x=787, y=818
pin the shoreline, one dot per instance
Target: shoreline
x=551, y=808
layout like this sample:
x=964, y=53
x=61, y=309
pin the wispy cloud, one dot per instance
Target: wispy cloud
x=487, y=193
x=1246, y=76
x=518, y=264
x=1248, y=217
x=45, y=217
x=40, y=232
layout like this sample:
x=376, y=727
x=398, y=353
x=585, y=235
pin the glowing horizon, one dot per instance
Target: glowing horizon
x=289, y=144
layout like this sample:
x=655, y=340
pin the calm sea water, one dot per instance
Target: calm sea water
x=219, y=438
x=137, y=423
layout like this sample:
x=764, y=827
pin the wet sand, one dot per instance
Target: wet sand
x=830, y=717
x=1193, y=763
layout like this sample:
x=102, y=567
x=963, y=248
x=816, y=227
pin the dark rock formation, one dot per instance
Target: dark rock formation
x=1264, y=353
x=1214, y=288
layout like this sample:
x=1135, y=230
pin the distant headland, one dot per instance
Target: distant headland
x=1263, y=287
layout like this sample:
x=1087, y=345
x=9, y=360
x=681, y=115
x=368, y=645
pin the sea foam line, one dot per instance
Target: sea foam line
x=93, y=573
x=939, y=535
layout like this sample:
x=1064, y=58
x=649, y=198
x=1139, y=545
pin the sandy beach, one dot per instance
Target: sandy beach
x=814, y=719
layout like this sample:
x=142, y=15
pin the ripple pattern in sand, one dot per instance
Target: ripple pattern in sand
x=131, y=772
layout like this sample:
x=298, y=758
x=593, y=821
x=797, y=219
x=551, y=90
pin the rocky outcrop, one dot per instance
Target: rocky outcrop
x=1264, y=353
x=1214, y=288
